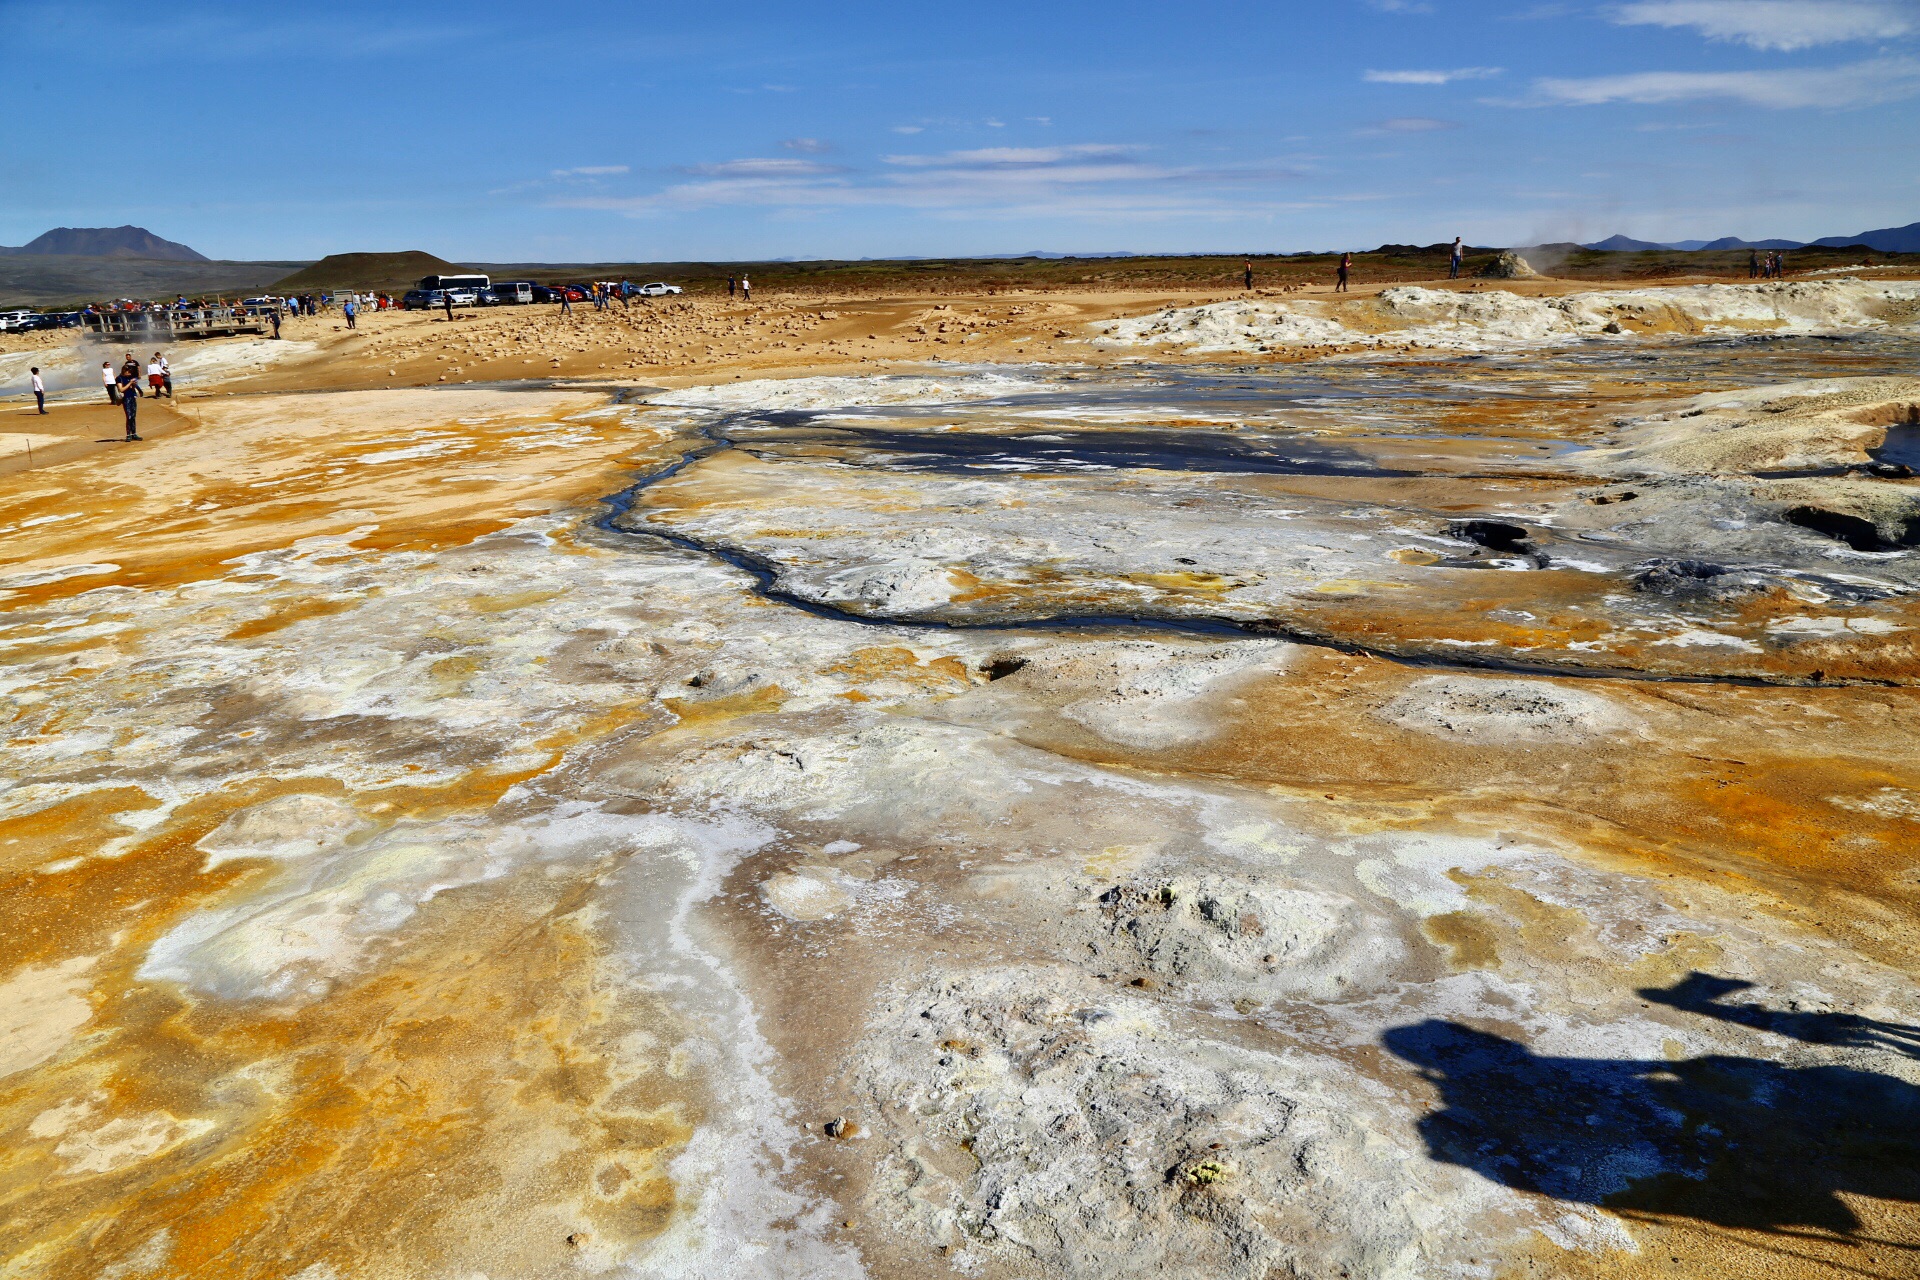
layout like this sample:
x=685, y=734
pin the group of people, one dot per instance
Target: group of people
x=745, y=286
x=123, y=386
x=159, y=378
x=1767, y=268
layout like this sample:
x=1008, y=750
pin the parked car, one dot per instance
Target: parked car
x=545, y=293
x=658, y=289
x=460, y=297
x=57, y=321
x=509, y=293
x=578, y=292
x=419, y=300
x=12, y=319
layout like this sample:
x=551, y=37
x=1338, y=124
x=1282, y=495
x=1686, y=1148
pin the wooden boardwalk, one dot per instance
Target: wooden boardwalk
x=167, y=326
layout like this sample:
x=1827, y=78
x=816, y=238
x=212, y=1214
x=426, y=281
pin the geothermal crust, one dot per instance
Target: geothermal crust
x=1013, y=821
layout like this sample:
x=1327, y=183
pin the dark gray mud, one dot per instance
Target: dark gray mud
x=1511, y=415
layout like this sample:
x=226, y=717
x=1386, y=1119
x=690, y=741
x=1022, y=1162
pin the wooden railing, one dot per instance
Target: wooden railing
x=166, y=326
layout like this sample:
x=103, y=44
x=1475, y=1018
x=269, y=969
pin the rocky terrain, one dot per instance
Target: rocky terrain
x=1096, y=814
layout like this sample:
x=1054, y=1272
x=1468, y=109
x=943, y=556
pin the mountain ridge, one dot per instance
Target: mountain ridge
x=1885, y=239
x=104, y=242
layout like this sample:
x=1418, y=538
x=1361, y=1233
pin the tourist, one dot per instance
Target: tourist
x=730, y=286
x=156, y=380
x=566, y=299
x=446, y=302
x=129, y=383
x=1753, y=264
x=1249, y=277
x=1453, y=262
x=1346, y=268
x=106, y=380
x=166, y=376
x=274, y=315
x=350, y=310
x=39, y=389
x=1779, y=264
x=746, y=289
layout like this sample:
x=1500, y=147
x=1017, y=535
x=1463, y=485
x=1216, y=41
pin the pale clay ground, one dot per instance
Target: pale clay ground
x=410, y=877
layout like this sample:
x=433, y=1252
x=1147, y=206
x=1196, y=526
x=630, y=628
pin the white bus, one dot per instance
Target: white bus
x=466, y=284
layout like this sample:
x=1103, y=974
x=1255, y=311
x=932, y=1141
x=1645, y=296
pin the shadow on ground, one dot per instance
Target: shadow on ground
x=1740, y=1142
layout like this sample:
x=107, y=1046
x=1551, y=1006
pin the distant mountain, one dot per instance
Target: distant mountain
x=1735, y=242
x=392, y=271
x=1622, y=244
x=1887, y=240
x=105, y=242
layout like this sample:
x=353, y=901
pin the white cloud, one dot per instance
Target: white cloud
x=1432, y=77
x=1090, y=180
x=1400, y=6
x=1016, y=157
x=1416, y=124
x=590, y=171
x=810, y=146
x=1776, y=24
x=764, y=167
x=1854, y=85
x=909, y=128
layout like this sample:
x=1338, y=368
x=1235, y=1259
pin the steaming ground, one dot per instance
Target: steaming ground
x=1483, y=319
x=411, y=874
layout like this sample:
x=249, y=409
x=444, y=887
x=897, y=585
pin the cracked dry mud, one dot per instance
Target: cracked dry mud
x=1377, y=816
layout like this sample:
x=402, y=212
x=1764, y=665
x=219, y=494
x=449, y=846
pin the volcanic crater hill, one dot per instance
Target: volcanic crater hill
x=389, y=272
x=105, y=242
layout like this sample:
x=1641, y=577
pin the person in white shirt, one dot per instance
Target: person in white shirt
x=39, y=390
x=166, y=375
x=106, y=380
x=156, y=380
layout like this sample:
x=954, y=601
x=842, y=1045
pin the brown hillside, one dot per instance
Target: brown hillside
x=389, y=271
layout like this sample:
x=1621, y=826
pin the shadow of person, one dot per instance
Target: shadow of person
x=1740, y=1142
x=1701, y=992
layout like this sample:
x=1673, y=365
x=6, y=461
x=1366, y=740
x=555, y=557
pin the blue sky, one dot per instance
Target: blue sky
x=568, y=131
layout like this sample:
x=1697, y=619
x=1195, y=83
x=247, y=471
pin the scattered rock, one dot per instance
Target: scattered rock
x=1700, y=580
x=804, y=897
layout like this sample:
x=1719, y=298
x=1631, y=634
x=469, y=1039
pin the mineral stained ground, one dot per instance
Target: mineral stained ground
x=1416, y=785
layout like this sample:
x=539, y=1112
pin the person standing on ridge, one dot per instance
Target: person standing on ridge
x=1753, y=264
x=129, y=384
x=273, y=313
x=1346, y=268
x=1453, y=263
x=1249, y=277
x=39, y=389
